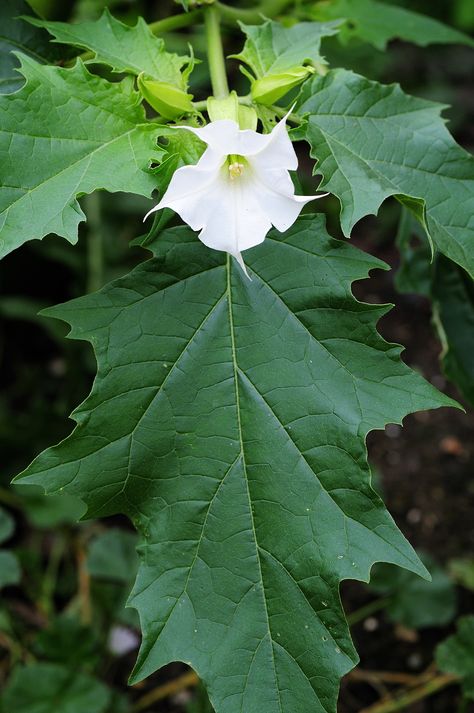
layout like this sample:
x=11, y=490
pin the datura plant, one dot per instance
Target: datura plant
x=228, y=418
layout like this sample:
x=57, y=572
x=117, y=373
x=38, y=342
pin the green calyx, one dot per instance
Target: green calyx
x=230, y=108
x=168, y=100
x=267, y=90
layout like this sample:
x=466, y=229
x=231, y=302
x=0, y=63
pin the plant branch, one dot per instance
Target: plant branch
x=402, y=700
x=175, y=22
x=367, y=610
x=167, y=689
x=215, y=53
x=267, y=8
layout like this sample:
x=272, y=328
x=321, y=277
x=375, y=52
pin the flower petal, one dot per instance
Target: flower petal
x=189, y=186
x=276, y=151
x=234, y=220
x=274, y=192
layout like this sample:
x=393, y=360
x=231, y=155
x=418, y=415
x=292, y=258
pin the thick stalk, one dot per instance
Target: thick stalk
x=215, y=53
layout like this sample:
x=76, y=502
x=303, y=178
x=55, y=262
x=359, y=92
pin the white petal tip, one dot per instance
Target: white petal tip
x=157, y=207
x=240, y=260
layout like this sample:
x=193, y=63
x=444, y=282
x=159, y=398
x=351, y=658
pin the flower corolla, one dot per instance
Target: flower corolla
x=239, y=188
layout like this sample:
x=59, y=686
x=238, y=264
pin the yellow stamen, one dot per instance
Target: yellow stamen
x=235, y=170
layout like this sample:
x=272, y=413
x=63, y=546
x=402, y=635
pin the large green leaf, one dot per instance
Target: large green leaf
x=48, y=687
x=121, y=47
x=66, y=133
x=373, y=141
x=379, y=22
x=228, y=420
x=17, y=35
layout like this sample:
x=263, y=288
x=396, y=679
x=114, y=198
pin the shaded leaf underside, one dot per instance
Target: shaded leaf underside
x=380, y=22
x=17, y=35
x=373, y=141
x=228, y=420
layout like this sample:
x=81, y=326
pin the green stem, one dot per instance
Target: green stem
x=95, y=248
x=367, y=610
x=266, y=9
x=215, y=53
x=175, y=22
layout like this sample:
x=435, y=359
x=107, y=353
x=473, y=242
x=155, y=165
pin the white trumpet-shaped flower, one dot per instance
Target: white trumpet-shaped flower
x=239, y=188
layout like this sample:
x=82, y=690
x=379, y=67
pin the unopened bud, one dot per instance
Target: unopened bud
x=169, y=101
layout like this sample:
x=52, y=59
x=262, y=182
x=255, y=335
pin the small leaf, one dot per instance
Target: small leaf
x=10, y=572
x=379, y=22
x=123, y=48
x=456, y=655
x=7, y=525
x=180, y=148
x=68, y=642
x=282, y=57
x=19, y=35
x=66, y=133
x=48, y=687
x=414, y=602
x=113, y=556
x=228, y=420
x=373, y=141
x=414, y=272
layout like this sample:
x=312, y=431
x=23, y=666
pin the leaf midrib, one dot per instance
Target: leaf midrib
x=235, y=368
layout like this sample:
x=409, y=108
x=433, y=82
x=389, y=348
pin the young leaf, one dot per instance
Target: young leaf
x=121, y=47
x=41, y=687
x=453, y=306
x=282, y=57
x=452, y=293
x=379, y=22
x=373, y=141
x=19, y=35
x=64, y=134
x=456, y=655
x=10, y=572
x=228, y=420
x=113, y=555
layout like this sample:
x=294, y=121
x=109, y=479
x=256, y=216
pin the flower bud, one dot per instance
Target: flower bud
x=168, y=100
x=229, y=108
x=269, y=89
